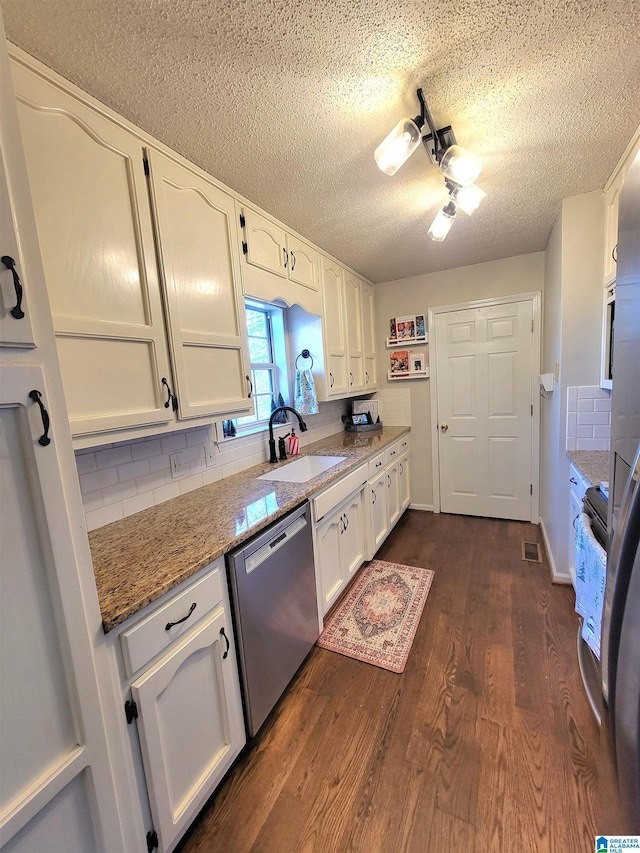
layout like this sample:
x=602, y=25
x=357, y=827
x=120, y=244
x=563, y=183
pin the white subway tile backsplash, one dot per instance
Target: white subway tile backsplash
x=119, y=492
x=133, y=470
x=105, y=515
x=124, y=478
x=145, y=449
x=97, y=480
x=86, y=462
x=171, y=443
x=588, y=418
x=113, y=456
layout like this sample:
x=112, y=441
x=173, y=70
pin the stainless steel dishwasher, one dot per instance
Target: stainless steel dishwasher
x=273, y=587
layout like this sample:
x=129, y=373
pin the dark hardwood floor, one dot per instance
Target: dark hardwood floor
x=485, y=742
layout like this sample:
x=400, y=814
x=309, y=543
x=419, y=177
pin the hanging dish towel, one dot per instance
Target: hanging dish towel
x=591, y=568
x=304, y=394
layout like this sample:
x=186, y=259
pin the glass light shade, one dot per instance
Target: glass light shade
x=396, y=148
x=441, y=225
x=460, y=165
x=470, y=198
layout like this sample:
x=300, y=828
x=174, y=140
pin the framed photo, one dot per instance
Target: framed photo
x=421, y=326
x=359, y=419
x=418, y=362
x=392, y=329
x=400, y=361
x=405, y=328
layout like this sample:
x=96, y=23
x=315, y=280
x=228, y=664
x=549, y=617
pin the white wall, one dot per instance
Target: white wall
x=416, y=295
x=572, y=333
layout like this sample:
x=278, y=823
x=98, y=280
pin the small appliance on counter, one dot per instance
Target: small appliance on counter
x=364, y=417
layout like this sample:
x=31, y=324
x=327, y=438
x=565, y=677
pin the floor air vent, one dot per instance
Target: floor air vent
x=531, y=552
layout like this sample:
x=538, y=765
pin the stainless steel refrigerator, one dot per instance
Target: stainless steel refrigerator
x=621, y=617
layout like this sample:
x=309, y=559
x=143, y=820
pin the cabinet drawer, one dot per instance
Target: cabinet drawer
x=392, y=453
x=376, y=465
x=150, y=636
x=331, y=497
x=577, y=483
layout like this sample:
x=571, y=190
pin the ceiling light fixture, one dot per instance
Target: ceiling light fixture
x=459, y=166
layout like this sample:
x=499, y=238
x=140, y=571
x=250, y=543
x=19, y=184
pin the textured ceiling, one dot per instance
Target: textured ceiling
x=286, y=100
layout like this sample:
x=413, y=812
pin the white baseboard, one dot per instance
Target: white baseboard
x=556, y=576
x=422, y=507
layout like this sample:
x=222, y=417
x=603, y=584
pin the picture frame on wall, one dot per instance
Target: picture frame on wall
x=400, y=362
x=418, y=362
x=421, y=326
x=406, y=327
x=392, y=329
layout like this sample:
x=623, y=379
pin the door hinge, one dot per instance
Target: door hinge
x=532, y=410
x=532, y=324
x=130, y=711
x=243, y=221
x=531, y=489
x=145, y=164
x=245, y=248
x=152, y=840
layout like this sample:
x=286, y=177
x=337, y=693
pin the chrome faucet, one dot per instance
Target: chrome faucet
x=272, y=441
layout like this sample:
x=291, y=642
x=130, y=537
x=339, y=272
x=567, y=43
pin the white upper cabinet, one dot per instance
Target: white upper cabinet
x=96, y=237
x=199, y=267
x=303, y=263
x=277, y=264
x=334, y=328
x=264, y=243
x=369, y=337
x=15, y=319
x=355, y=345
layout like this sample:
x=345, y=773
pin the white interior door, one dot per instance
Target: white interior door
x=484, y=409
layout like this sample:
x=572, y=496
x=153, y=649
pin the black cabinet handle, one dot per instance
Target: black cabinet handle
x=573, y=480
x=388, y=481
x=293, y=260
x=172, y=400
x=374, y=496
x=222, y=634
x=366, y=377
x=16, y=312
x=170, y=625
x=614, y=253
x=331, y=378
x=286, y=257
x=401, y=468
x=250, y=394
x=44, y=439
x=351, y=378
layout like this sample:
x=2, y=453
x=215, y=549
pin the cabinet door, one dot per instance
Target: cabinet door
x=368, y=337
x=200, y=273
x=353, y=537
x=393, y=492
x=404, y=489
x=265, y=243
x=378, y=504
x=94, y=225
x=355, y=348
x=15, y=317
x=55, y=776
x=611, y=199
x=327, y=555
x=190, y=724
x=334, y=327
x=303, y=263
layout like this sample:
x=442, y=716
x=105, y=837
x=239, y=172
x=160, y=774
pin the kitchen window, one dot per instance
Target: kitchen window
x=268, y=363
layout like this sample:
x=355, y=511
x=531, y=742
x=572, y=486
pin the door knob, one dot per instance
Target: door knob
x=444, y=427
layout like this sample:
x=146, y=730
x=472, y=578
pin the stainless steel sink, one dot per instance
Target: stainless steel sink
x=302, y=470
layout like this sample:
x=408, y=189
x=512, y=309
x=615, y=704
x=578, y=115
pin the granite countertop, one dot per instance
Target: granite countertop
x=593, y=464
x=140, y=558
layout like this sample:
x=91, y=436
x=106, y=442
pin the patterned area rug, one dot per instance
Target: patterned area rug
x=377, y=619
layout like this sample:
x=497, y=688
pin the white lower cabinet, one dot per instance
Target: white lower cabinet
x=388, y=492
x=340, y=544
x=188, y=705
